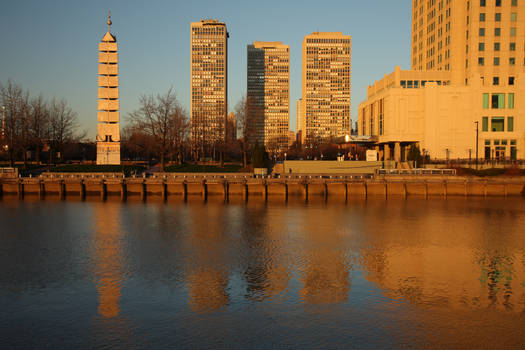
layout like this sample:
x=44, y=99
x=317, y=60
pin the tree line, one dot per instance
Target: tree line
x=33, y=124
x=158, y=130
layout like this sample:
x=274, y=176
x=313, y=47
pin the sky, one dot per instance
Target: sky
x=49, y=47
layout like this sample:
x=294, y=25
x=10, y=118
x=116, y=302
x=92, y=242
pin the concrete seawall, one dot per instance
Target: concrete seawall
x=305, y=187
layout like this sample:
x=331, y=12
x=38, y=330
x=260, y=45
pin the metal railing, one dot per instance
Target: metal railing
x=417, y=172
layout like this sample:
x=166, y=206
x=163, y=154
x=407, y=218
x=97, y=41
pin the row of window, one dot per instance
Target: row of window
x=328, y=41
x=497, y=46
x=497, y=61
x=414, y=84
x=497, y=101
x=497, y=17
x=497, y=124
x=497, y=31
x=497, y=3
x=495, y=81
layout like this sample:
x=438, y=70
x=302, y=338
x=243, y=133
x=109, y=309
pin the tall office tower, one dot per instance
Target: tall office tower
x=269, y=92
x=209, y=84
x=108, y=134
x=469, y=38
x=326, y=86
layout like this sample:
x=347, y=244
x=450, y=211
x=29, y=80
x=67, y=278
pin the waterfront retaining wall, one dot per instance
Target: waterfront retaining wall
x=264, y=187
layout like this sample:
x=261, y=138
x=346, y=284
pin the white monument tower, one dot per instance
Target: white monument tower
x=108, y=134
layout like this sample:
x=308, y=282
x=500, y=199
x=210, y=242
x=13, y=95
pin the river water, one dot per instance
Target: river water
x=370, y=274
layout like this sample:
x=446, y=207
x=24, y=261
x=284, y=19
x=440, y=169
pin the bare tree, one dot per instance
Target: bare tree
x=63, y=125
x=14, y=98
x=37, y=123
x=246, y=112
x=163, y=118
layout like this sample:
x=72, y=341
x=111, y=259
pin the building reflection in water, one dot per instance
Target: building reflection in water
x=469, y=259
x=109, y=262
x=207, y=278
x=265, y=268
x=325, y=271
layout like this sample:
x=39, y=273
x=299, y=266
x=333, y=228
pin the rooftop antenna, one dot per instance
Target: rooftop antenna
x=109, y=22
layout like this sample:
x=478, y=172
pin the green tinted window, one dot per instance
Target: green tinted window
x=485, y=101
x=485, y=124
x=510, y=124
x=511, y=101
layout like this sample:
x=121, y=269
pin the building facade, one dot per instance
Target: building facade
x=209, y=84
x=269, y=92
x=108, y=130
x=326, y=98
x=474, y=52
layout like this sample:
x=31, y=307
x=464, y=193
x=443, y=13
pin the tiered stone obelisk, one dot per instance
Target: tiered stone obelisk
x=108, y=137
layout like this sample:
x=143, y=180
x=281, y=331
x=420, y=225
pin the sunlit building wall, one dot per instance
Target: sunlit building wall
x=479, y=45
x=269, y=90
x=209, y=82
x=326, y=86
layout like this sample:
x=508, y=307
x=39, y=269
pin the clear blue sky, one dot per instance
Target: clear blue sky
x=50, y=46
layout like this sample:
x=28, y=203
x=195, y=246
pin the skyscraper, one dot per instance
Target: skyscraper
x=209, y=84
x=469, y=38
x=269, y=93
x=108, y=133
x=326, y=86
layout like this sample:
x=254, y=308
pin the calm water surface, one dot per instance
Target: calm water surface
x=373, y=274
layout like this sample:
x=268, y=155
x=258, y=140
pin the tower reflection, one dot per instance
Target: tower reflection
x=265, y=267
x=325, y=273
x=109, y=264
x=207, y=278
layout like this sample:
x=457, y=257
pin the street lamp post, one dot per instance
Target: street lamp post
x=477, y=141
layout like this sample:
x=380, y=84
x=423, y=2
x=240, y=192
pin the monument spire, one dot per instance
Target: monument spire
x=109, y=22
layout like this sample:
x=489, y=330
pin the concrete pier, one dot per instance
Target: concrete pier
x=266, y=188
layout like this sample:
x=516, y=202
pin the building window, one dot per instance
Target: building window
x=481, y=31
x=481, y=47
x=510, y=124
x=497, y=124
x=485, y=101
x=498, y=3
x=512, y=61
x=512, y=31
x=495, y=81
x=497, y=17
x=510, y=100
x=512, y=46
x=498, y=101
x=496, y=46
x=497, y=31
x=496, y=61
x=481, y=61
x=513, y=17
x=511, y=80
x=403, y=83
x=485, y=124
x=514, y=2
x=482, y=17
x=482, y=3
